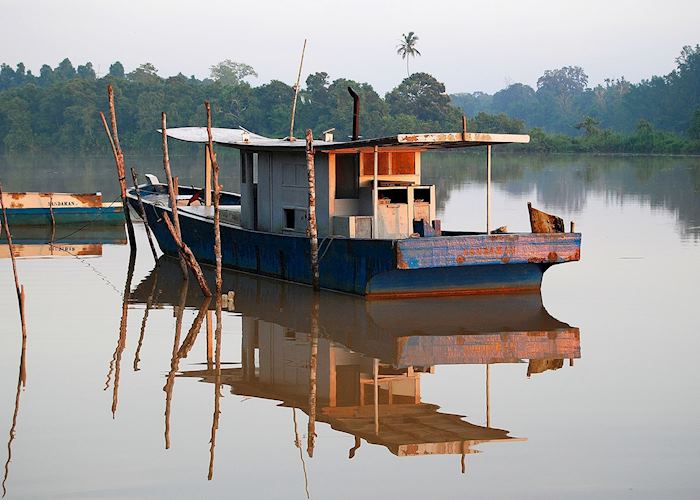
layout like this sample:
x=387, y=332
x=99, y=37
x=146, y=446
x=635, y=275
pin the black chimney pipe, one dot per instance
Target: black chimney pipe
x=355, y=114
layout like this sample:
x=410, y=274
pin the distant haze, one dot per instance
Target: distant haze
x=468, y=45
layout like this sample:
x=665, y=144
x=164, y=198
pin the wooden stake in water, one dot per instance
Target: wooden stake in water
x=113, y=137
x=188, y=256
x=313, y=367
x=18, y=288
x=311, y=228
x=172, y=190
x=217, y=195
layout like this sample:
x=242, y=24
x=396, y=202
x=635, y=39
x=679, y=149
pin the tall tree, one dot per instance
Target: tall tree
x=116, y=70
x=230, y=72
x=407, y=48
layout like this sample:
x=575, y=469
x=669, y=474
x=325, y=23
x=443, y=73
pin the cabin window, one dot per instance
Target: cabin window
x=393, y=163
x=347, y=176
x=289, y=222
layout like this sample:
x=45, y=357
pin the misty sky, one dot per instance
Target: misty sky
x=468, y=45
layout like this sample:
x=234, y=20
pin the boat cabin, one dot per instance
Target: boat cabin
x=370, y=189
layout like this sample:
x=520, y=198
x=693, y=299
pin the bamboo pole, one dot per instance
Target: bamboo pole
x=296, y=94
x=119, y=161
x=312, y=229
x=172, y=189
x=142, y=213
x=188, y=256
x=217, y=194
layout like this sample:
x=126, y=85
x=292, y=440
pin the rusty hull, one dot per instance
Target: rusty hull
x=511, y=248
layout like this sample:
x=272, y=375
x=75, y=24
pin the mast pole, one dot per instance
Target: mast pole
x=296, y=94
x=375, y=193
x=488, y=189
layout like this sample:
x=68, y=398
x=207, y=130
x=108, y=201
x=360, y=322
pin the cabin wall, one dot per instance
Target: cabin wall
x=284, y=360
x=283, y=192
x=248, y=172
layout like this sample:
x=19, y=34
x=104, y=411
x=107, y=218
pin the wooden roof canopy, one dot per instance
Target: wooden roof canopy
x=243, y=139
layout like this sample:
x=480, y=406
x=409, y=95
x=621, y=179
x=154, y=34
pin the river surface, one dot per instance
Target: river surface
x=591, y=389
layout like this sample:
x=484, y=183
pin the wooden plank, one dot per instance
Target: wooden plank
x=469, y=137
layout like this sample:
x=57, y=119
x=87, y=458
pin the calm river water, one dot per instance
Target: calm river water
x=591, y=390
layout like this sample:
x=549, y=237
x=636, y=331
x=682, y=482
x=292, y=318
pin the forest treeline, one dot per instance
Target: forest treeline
x=59, y=108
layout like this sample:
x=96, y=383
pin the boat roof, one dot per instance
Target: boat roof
x=243, y=139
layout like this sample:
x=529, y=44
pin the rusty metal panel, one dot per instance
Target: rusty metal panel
x=487, y=348
x=470, y=250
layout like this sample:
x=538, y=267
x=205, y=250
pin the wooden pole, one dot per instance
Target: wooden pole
x=121, y=341
x=488, y=189
x=217, y=387
x=375, y=194
x=142, y=333
x=142, y=213
x=313, y=367
x=297, y=443
x=573, y=227
x=210, y=342
x=172, y=189
x=207, y=176
x=464, y=128
x=296, y=94
x=188, y=256
x=174, y=361
x=19, y=289
x=193, y=333
x=119, y=160
x=312, y=229
x=21, y=382
x=375, y=372
x=53, y=219
x=217, y=194
x=488, y=396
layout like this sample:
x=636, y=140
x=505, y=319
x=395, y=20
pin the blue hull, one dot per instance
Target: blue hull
x=373, y=268
x=72, y=215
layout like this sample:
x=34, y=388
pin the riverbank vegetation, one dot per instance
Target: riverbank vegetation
x=58, y=109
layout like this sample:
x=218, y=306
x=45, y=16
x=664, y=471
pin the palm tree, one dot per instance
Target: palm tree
x=407, y=48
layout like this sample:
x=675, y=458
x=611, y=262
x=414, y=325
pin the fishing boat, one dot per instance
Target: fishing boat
x=376, y=220
x=46, y=209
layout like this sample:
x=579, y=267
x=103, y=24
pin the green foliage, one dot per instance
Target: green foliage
x=422, y=96
x=228, y=72
x=563, y=99
x=59, y=109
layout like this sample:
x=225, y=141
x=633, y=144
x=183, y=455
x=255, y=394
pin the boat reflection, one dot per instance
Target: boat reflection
x=63, y=241
x=357, y=365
